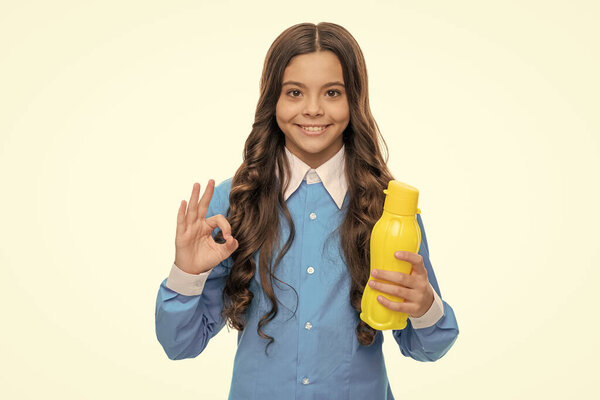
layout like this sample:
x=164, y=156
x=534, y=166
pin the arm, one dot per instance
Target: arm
x=188, y=306
x=430, y=336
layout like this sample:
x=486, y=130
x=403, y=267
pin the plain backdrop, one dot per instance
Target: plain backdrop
x=111, y=110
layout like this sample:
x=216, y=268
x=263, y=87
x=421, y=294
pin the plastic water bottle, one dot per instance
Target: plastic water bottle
x=397, y=229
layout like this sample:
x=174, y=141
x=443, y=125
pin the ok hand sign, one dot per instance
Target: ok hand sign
x=196, y=251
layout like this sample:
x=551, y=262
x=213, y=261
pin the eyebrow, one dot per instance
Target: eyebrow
x=336, y=83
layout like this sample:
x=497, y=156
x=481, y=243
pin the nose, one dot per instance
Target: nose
x=313, y=106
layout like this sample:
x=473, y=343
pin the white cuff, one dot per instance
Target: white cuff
x=432, y=316
x=187, y=284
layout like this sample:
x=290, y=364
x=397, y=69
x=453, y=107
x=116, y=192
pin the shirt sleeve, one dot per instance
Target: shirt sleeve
x=430, y=336
x=188, y=306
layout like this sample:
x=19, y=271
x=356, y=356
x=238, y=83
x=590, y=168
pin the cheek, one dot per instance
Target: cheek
x=340, y=113
x=285, y=111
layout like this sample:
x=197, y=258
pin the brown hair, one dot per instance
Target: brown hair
x=256, y=191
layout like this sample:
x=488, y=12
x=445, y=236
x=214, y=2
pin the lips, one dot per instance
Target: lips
x=314, y=133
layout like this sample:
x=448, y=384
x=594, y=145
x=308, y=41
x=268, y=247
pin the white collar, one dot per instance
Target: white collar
x=332, y=173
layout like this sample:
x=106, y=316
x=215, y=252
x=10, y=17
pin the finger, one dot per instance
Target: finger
x=231, y=244
x=181, y=218
x=192, y=210
x=205, y=200
x=415, y=259
x=397, y=277
x=395, y=290
x=419, y=270
x=220, y=221
x=396, y=306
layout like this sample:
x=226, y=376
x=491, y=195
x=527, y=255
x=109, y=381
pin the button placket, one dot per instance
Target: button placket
x=309, y=284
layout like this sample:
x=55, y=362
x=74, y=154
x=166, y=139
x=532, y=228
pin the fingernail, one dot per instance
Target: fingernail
x=374, y=272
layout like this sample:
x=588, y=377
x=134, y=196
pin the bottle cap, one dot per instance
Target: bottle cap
x=401, y=199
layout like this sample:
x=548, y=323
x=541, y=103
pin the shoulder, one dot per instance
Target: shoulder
x=223, y=188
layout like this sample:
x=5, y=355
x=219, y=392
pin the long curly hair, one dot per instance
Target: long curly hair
x=256, y=190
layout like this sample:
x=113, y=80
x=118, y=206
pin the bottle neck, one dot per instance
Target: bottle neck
x=406, y=209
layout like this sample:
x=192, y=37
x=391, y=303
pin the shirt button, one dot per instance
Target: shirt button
x=313, y=216
x=305, y=381
x=310, y=270
x=308, y=326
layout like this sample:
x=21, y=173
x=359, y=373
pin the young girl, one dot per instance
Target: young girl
x=290, y=260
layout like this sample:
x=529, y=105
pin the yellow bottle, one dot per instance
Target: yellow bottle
x=397, y=229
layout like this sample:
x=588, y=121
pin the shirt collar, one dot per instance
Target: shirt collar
x=332, y=173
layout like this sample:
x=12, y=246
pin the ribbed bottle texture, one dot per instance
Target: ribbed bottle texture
x=397, y=229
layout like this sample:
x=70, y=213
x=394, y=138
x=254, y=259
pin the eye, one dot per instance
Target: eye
x=336, y=93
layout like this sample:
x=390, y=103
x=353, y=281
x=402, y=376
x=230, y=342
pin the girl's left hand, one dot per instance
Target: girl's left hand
x=414, y=288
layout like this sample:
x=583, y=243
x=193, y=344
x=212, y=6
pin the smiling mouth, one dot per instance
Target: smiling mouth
x=313, y=130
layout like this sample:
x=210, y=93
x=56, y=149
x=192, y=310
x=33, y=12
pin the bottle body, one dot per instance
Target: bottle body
x=392, y=232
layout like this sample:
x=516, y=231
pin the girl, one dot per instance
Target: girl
x=290, y=261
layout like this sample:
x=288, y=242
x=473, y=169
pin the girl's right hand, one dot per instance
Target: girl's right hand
x=195, y=249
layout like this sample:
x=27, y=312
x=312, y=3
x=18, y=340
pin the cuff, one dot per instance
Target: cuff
x=187, y=284
x=432, y=316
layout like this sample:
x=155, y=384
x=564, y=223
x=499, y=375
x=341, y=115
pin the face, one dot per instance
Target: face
x=313, y=94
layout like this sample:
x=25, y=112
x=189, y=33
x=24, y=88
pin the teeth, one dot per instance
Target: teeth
x=313, y=129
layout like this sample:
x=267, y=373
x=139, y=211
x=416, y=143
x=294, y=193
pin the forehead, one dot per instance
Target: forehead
x=314, y=68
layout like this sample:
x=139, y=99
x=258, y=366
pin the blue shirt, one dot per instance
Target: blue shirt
x=316, y=354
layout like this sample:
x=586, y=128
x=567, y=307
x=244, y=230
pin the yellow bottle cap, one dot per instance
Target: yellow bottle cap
x=401, y=199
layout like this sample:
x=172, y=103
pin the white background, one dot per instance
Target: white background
x=111, y=110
